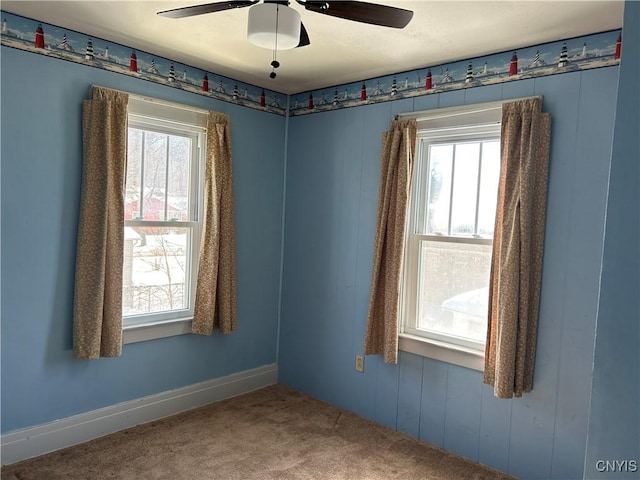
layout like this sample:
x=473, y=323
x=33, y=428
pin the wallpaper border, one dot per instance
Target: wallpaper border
x=563, y=56
x=578, y=53
x=65, y=44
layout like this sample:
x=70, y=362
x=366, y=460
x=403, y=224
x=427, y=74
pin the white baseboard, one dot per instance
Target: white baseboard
x=33, y=441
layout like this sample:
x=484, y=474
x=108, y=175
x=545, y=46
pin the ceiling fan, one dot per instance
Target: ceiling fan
x=273, y=24
x=364, y=12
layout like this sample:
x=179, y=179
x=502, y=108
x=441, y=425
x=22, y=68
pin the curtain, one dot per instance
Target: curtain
x=215, y=305
x=516, y=268
x=97, y=309
x=398, y=149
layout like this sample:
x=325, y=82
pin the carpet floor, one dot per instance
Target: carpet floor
x=272, y=433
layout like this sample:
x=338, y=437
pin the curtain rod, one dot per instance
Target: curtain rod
x=481, y=107
x=158, y=101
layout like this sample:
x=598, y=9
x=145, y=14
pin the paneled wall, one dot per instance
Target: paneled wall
x=41, y=166
x=614, y=423
x=332, y=188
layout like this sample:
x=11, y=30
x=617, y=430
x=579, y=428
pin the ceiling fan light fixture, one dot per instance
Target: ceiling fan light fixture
x=274, y=26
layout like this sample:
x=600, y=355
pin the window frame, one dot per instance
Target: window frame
x=481, y=122
x=172, y=119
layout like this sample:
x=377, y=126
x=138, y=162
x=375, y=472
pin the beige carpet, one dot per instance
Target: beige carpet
x=273, y=433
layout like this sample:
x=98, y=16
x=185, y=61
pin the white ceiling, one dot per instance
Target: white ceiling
x=341, y=51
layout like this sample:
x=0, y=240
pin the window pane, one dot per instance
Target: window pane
x=465, y=188
x=155, y=171
x=453, y=289
x=439, y=192
x=490, y=178
x=155, y=269
x=134, y=162
x=178, y=182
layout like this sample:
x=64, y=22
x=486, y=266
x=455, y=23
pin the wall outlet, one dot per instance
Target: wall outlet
x=360, y=363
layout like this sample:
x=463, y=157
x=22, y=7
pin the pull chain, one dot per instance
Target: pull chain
x=275, y=63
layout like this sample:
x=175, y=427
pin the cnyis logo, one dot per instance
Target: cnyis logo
x=617, y=465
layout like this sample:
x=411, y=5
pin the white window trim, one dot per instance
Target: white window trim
x=445, y=352
x=430, y=123
x=152, y=331
x=186, y=119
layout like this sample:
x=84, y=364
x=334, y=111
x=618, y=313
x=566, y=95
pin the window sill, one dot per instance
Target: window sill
x=152, y=331
x=461, y=356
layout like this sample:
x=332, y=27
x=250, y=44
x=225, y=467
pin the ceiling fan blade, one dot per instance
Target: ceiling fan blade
x=206, y=8
x=364, y=12
x=304, y=37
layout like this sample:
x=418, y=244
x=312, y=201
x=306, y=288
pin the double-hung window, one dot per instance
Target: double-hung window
x=163, y=215
x=450, y=233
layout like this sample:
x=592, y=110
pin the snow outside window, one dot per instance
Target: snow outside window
x=163, y=221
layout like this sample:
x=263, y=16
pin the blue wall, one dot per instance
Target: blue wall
x=614, y=423
x=41, y=167
x=332, y=188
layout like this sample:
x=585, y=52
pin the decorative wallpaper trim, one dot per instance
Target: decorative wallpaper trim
x=580, y=53
x=64, y=44
x=552, y=58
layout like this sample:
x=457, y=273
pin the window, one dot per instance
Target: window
x=450, y=231
x=163, y=213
